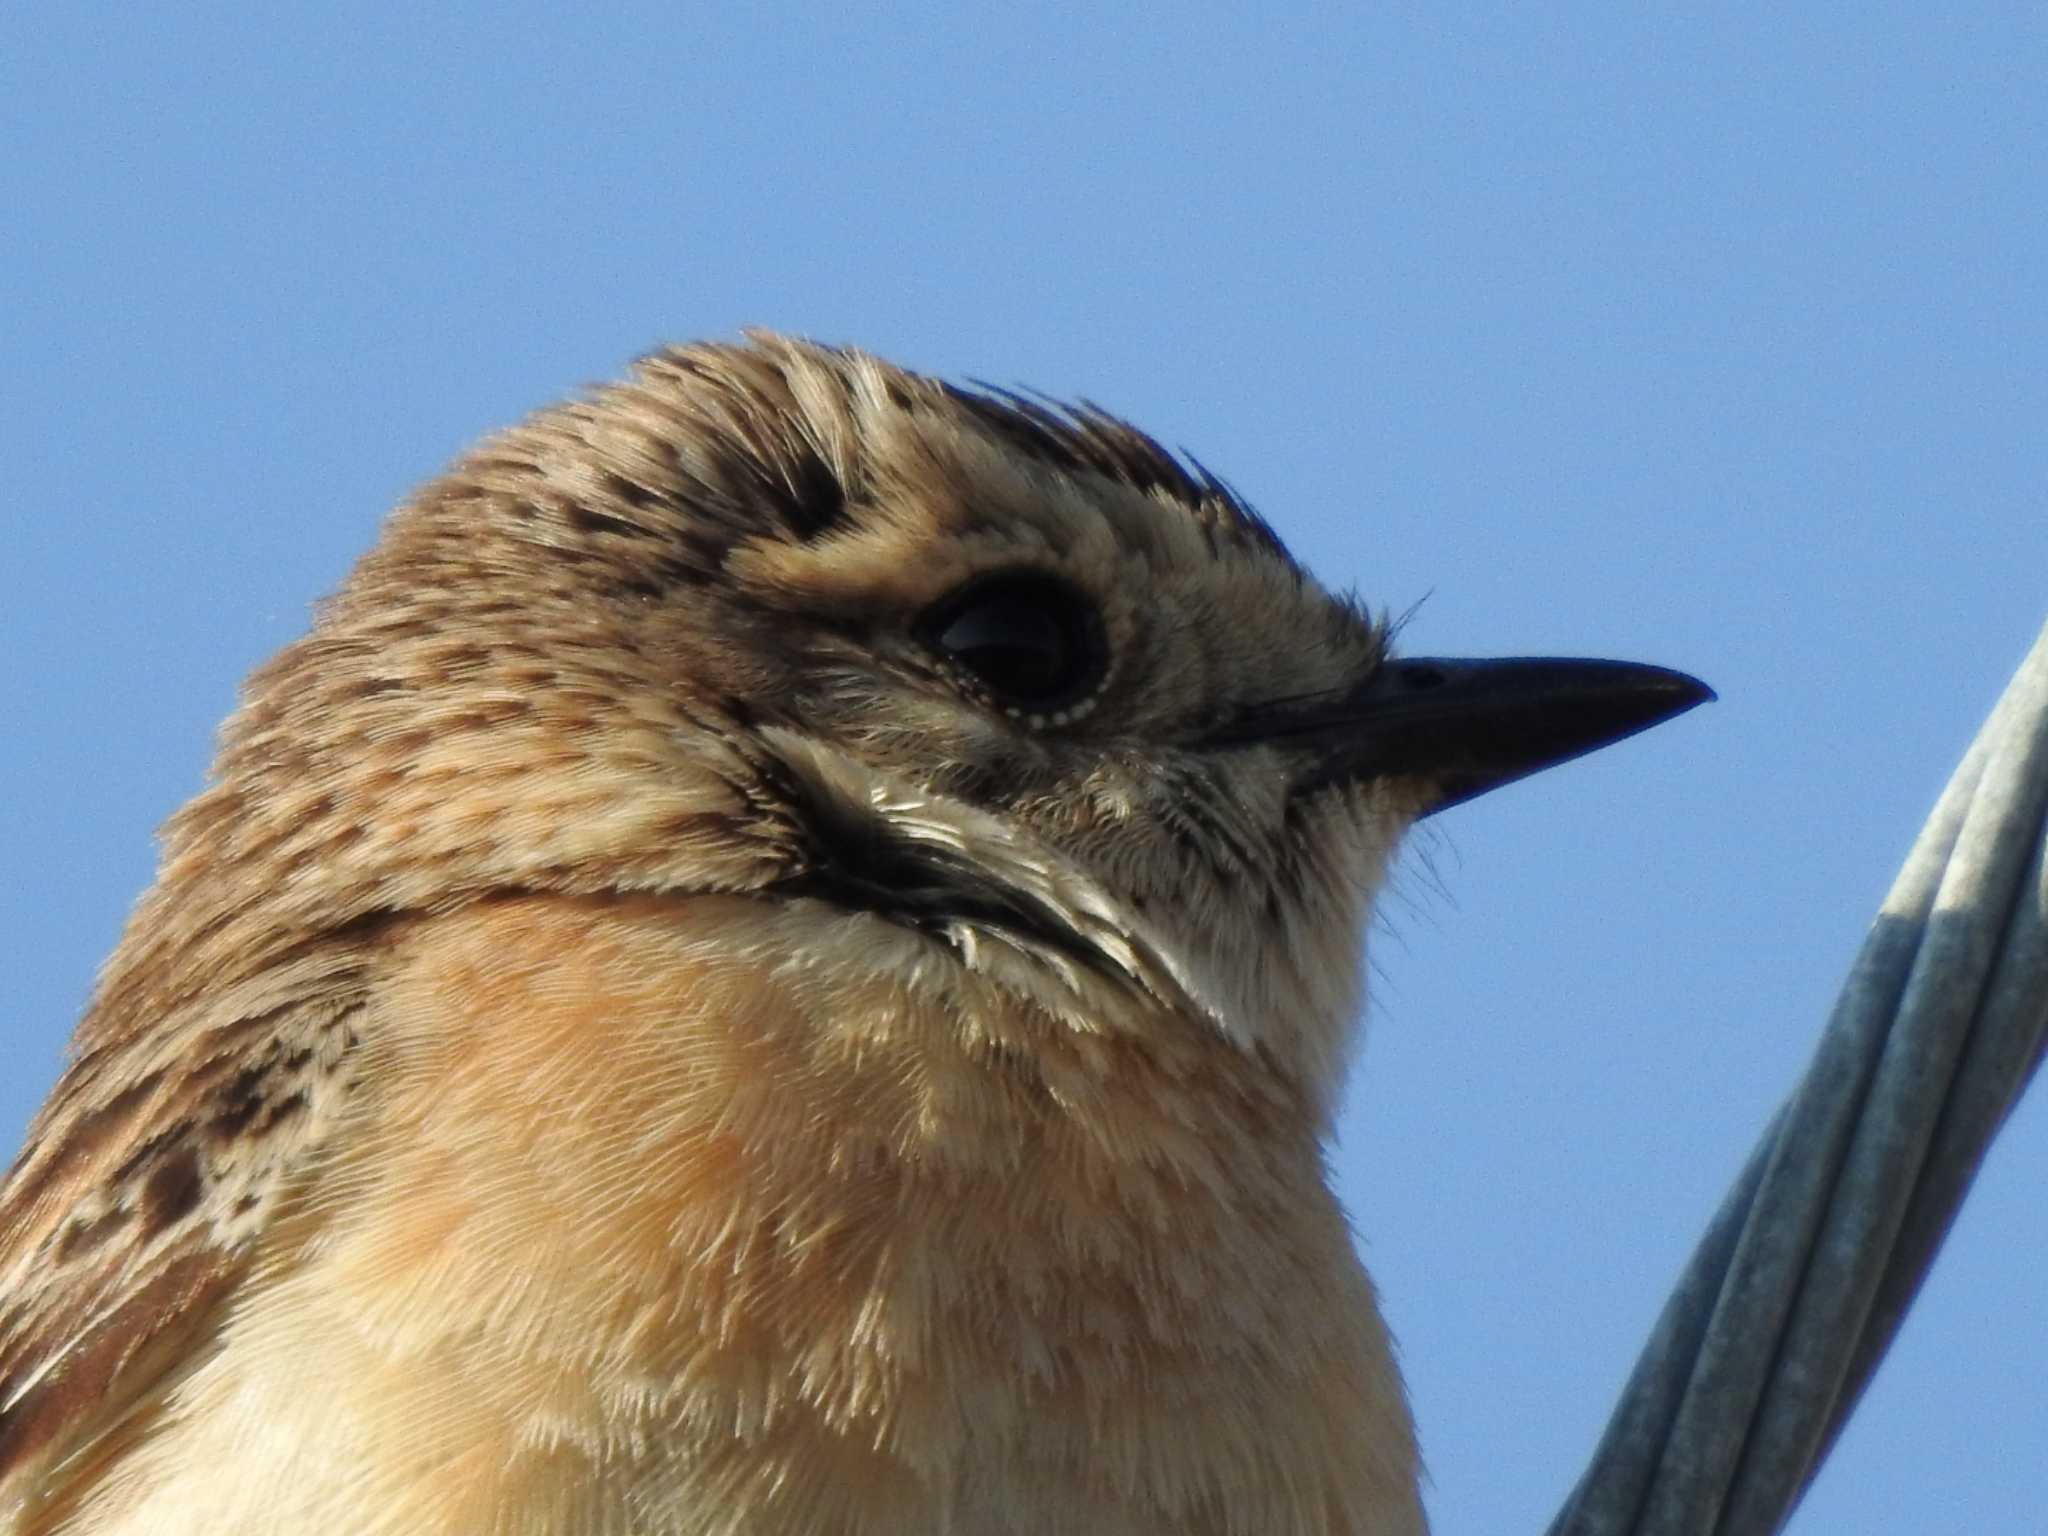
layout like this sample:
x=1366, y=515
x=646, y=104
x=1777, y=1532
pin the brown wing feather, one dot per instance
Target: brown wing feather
x=135, y=1209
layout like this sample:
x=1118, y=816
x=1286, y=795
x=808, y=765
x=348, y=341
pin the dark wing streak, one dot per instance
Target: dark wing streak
x=132, y=1218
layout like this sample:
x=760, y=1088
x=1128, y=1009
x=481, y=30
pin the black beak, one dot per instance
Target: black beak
x=1465, y=727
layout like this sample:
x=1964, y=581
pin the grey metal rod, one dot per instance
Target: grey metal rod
x=1803, y=1275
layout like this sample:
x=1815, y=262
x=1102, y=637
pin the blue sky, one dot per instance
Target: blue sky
x=1715, y=338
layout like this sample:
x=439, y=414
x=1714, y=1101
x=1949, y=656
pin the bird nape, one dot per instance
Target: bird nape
x=777, y=960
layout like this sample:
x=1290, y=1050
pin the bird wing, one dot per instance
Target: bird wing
x=134, y=1212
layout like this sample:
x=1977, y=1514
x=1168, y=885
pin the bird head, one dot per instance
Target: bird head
x=1002, y=688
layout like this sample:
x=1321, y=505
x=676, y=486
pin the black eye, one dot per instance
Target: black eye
x=1031, y=639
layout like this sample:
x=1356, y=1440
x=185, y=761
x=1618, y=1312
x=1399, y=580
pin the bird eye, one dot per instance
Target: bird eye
x=1031, y=639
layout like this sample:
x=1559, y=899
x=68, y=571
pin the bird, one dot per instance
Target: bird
x=778, y=958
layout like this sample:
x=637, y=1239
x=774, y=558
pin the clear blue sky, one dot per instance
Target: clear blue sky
x=1716, y=339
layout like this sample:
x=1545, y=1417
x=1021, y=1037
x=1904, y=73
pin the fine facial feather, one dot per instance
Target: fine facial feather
x=658, y=646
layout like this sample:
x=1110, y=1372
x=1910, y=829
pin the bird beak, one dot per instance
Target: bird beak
x=1465, y=727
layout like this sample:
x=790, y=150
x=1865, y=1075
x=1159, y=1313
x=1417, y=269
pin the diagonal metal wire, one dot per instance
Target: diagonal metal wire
x=1805, y=1272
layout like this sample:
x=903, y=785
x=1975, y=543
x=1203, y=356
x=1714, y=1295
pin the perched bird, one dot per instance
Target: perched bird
x=777, y=961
